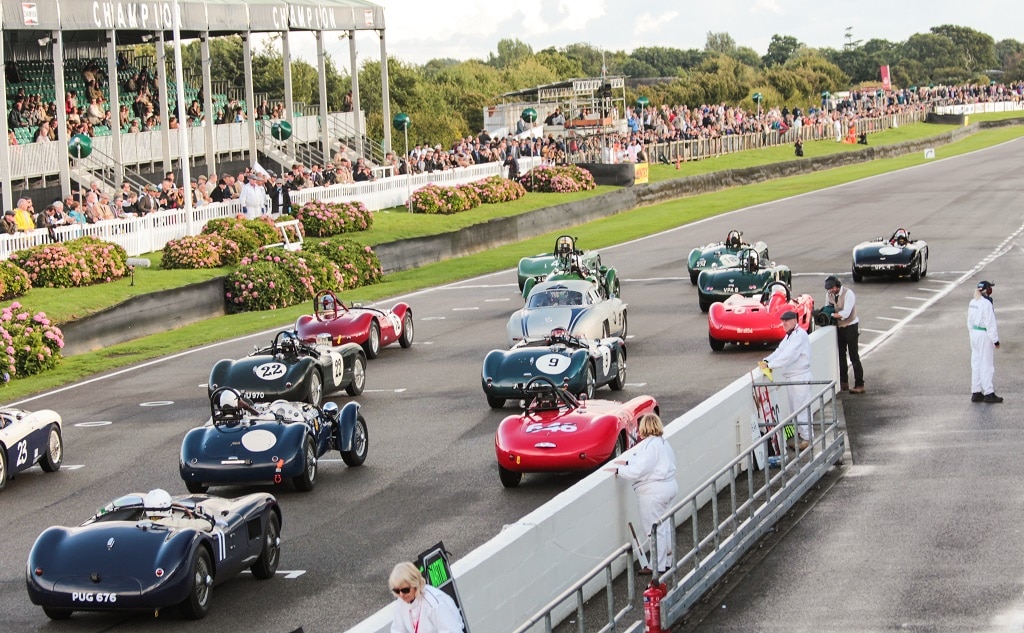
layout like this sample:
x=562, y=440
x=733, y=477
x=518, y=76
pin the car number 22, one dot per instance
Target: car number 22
x=89, y=596
x=270, y=371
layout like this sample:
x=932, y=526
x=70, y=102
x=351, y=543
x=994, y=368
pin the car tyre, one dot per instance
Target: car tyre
x=857, y=277
x=372, y=344
x=3, y=468
x=197, y=604
x=315, y=395
x=55, y=613
x=266, y=565
x=924, y=270
x=625, y=325
x=693, y=277
x=705, y=304
x=306, y=480
x=360, y=444
x=54, y=455
x=196, y=488
x=716, y=344
x=620, y=446
x=495, y=402
x=407, y=331
x=591, y=381
x=509, y=479
x=358, y=383
x=619, y=382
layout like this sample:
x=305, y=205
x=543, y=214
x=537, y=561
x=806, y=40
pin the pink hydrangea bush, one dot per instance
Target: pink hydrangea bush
x=200, y=251
x=78, y=262
x=31, y=344
x=323, y=219
x=557, y=179
x=444, y=200
x=249, y=235
x=14, y=281
x=274, y=279
x=359, y=265
x=497, y=189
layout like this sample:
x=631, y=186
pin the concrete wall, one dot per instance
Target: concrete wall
x=508, y=579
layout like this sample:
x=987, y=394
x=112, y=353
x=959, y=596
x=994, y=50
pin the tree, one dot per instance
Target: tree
x=747, y=56
x=850, y=44
x=563, y=66
x=510, y=53
x=721, y=43
x=930, y=51
x=976, y=50
x=780, y=49
x=1008, y=53
x=661, y=61
x=589, y=58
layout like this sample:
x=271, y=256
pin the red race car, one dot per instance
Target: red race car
x=559, y=433
x=370, y=327
x=745, y=320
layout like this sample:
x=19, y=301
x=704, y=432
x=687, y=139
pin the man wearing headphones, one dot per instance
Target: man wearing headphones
x=981, y=323
x=847, y=330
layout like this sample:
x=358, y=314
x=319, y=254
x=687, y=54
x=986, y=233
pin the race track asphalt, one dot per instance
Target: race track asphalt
x=919, y=530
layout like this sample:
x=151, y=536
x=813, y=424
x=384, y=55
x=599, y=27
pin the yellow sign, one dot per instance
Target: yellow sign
x=640, y=173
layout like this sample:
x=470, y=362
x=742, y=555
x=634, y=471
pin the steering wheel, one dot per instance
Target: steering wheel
x=541, y=386
x=766, y=294
x=228, y=407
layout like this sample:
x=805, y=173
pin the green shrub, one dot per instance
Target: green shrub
x=277, y=279
x=250, y=235
x=359, y=265
x=14, y=282
x=561, y=179
x=79, y=262
x=31, y=344
x=497, y=189
x=200, y=251
x=444, y=200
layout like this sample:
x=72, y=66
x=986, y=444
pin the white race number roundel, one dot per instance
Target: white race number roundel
x=889, y=250
x=553, y=363
x=259, y=440
x=270, y=371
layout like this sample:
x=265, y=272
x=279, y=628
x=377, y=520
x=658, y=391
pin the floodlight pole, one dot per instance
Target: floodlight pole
x=183, y=146
x=408, y=171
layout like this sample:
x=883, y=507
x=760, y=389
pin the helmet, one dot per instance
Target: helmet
x=564, y=246
x=289, y=343
x=733, y=239
x=558, y=335
x=327, y=303
x=832, y=282
x=901, y=237
x=157, y=504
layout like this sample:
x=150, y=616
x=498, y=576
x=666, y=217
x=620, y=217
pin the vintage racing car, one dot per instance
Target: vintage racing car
x=710, y=255
x=543, y=264
x=575, y=305
x=147, y=552
x=269, y=443
x=745, y=320
x=571, y=264
x=898, y=256
x=293, y=370
x=577, y=365
x=372, y=328
x=29, y=438
x=559, y=433
x=746, y=274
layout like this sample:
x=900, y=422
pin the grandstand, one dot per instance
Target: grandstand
x=94, y=43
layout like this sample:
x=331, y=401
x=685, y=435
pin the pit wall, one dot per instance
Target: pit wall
x=510, y=578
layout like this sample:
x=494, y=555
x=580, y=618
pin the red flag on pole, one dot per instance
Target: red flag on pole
x=886, y=80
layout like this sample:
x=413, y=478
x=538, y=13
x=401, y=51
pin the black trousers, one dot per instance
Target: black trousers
x=848, y=338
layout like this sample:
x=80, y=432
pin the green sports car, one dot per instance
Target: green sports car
x=540, y=266
x=710, y=255
x=745, y=274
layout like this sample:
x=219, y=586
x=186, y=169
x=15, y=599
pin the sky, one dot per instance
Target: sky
x=420, y=30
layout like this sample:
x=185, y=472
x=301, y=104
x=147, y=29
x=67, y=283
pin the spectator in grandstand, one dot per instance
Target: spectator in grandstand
x=45, y=133
x=512, y=164
x=8, y=225
x=147, y=202
x=16, y=117
x=221, y=192
x=95, y=113
x=74, y=213
x=135, y=126
x=254, y=196
x=344, y=172
x=24, y=215
x=280, y=198
x=102, y=210
x=172, y=122
x=12, y=139
x=362, y=172
x=316, y=177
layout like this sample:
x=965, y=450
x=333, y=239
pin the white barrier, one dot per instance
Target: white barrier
x=508, y=579
x=982, y=108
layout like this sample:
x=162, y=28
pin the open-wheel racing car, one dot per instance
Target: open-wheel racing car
x=269, y=443
x=293, y=370
x=898, y=256
x=148, y=552
x=571, y=264
x=559, y=433
x=372, y=328
x=577, y=365
x=540, y=266
x=746, y=274
x=29, y=438
x=710, y=255
x=746, y=320
x=575, y=305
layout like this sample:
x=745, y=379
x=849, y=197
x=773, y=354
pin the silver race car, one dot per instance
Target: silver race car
x=575, y=305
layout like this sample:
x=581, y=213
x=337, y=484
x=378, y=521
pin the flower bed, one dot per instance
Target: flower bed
x=278, y=279
x=324, y=219
x=249, y=235
x=200, y=251
x=14, y=281
x=79, y=262
x=30, y=343
x=444, y=200
x=497, y=189
x=359, y=265
x=561, y=179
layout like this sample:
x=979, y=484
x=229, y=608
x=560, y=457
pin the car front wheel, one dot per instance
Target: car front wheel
x=355, y=387
x=360, y=445
x=315, y=395
x=197, y=604
x=266, y=565
x=407, y=332
x=54, y=455
x=619, y=382
x=372, y=344
x=509, y=479
x=306, y=481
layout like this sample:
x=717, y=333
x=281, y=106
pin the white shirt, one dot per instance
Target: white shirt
x=849, y=304
x=252, y=196
x=981, y=315
x=433, y=611
x=792, y=358
x=652, y=462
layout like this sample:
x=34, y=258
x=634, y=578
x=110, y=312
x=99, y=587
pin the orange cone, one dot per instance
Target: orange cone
x=677, y=162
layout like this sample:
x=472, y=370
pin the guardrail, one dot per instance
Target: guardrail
x=622, y=557
x=734, y=531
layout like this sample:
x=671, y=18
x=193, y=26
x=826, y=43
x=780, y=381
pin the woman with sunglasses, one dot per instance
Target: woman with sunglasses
x=419, y=607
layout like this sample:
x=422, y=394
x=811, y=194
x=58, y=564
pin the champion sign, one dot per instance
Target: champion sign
x=132, y=15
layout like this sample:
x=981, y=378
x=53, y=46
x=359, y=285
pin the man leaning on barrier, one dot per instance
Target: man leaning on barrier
x=792, y=361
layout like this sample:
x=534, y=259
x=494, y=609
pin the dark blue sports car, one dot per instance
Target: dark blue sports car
x=148, y=552
x=269, y=443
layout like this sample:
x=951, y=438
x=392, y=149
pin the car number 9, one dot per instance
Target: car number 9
x=554, y=364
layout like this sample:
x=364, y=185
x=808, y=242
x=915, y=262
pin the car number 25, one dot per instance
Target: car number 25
x=270, y=371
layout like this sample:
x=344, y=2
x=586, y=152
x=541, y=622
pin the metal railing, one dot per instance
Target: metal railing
x=100, y=166
x=768, y=496
x=604, y=568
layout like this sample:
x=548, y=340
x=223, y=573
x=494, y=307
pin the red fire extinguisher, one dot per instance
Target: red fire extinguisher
x=652, y=606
